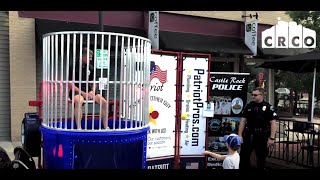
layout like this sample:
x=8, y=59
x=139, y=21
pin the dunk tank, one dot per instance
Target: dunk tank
x=101, y=133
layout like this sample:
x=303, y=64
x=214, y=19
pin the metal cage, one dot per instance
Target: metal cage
x=120, y=67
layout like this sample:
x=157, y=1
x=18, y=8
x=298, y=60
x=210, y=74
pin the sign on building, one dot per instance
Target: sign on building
x=153, y=30
x=288, y=35
x=250, y=36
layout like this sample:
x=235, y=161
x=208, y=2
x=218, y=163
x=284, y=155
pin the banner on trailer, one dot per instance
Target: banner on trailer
x=194, y=96
x=228, y=93
x=166, y=163
x=162, y=106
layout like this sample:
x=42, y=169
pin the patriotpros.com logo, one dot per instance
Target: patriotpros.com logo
x=288, y=35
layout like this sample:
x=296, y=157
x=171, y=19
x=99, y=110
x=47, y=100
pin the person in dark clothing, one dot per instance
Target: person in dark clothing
x=257, y=130
x=82, y=76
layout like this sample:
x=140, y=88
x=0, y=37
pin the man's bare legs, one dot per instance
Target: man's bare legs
x=104, y=107
x=78, y=102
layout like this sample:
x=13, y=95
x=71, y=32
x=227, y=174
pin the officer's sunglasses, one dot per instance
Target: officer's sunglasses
x=255, y=95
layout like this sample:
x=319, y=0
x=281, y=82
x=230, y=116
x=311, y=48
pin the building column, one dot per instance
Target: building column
x=22, y=69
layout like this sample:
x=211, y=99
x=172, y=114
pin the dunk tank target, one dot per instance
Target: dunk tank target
x=95, y=100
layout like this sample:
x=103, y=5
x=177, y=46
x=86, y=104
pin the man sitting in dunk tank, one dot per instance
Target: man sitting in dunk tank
x=79, y=91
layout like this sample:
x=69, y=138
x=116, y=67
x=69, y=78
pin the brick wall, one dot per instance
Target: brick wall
x=22, y=69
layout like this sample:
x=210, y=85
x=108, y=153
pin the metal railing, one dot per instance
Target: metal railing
x=297, y=142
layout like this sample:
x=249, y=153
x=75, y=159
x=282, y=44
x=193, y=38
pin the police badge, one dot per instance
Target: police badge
x=264, y=108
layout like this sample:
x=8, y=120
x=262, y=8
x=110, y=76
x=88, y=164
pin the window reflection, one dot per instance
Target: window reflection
x=258, y=77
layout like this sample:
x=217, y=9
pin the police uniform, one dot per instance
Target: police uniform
x=256, y=132
x=84, y=73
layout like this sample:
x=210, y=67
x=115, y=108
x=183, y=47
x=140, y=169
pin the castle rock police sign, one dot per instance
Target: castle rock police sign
x=288, y=35
x=232, y=83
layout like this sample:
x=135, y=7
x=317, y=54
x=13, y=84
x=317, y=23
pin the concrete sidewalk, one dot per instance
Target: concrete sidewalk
x=9, y=146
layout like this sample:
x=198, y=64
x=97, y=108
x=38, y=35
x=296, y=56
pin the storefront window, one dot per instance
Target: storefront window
x=258, y=78
x=284, y=95
x=282, y=98
x=221, y=66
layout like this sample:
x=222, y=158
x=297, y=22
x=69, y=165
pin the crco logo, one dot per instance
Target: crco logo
x=288, y=35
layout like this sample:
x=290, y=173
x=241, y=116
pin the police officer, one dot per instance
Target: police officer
x=257, y=130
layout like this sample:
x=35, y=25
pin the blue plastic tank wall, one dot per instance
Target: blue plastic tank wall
x=94, y=150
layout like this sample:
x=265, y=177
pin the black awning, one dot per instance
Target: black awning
x=44, y=26
x=48, y=26
x=280, y=52
x=300, y=63
x=177, y=41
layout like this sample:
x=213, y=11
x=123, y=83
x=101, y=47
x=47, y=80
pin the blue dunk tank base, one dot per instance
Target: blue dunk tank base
x=114, y=149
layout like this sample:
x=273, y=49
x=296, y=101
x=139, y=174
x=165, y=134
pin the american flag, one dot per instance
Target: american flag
x=156, y=72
